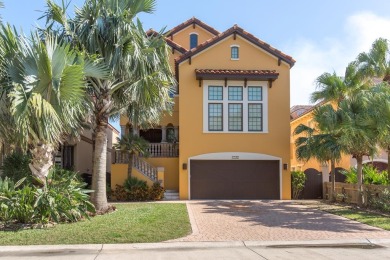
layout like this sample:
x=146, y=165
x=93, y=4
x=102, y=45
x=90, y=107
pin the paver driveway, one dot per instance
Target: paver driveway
x=270, y=220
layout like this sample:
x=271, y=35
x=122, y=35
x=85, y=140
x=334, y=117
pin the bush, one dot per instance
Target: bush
x=62, y=199
x=156, y=192
x=15, y=166
x=298, y=179
x=370, y=176
x=134, y=189
x=380, y=201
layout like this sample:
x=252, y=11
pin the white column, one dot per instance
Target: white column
x=163, y=134
x=135, y=130
x=123, y=130
x=325, y=172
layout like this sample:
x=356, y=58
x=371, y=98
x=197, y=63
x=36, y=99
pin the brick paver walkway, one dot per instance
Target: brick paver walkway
x=270, y=220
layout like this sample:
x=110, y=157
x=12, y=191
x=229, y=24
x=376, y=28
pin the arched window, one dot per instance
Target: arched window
x=193, y=40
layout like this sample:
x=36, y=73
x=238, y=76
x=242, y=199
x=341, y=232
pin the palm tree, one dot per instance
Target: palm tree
x=358, y=133
x=320, y=143
x=46, y=92
x=132, y=145
x=139, y=68
x=333, y=88
x=376, y=62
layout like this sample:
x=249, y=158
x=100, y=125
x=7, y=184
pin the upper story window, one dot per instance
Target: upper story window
x=193, y=40
x=235, y=108
x=234, y=52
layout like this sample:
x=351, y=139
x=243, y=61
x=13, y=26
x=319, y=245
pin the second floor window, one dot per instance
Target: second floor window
x=234, y=51
x=193, y=40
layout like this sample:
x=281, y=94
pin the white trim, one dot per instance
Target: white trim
x=212, y=34
x=234, y=45
x=237, y=157
x=193, y=33
x=244, y=101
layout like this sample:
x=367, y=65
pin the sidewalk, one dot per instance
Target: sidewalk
x=316, y=249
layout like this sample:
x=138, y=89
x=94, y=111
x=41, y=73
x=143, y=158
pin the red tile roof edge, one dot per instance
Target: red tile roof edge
x=191, y=21
x=238, y=30
x=171, y=43
x=236, y=72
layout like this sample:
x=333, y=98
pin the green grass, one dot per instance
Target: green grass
x=131, y=223
x=369, y=218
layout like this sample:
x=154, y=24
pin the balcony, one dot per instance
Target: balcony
x=161, y=150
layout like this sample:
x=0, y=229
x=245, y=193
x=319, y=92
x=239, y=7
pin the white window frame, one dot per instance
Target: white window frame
x=225, y=101
x=238, y=46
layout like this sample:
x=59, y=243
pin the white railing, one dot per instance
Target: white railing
x=163, y=149
x=145, y=168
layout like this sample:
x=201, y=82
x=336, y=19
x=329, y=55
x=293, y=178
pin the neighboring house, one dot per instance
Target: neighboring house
x=77, y=155
x=228, y=136
x=306, y=117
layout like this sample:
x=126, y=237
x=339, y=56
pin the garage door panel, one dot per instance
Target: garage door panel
x=224, y=179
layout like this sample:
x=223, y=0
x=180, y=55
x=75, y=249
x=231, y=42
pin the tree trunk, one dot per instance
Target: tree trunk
x=99, y=198
x=130, y=165
x=359, y=168
x=42, y=160
x=333, y=177
x=388, y=163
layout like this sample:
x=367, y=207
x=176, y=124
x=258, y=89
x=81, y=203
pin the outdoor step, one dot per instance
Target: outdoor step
x=171, y=195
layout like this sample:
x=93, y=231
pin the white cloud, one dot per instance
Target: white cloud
x=332, y=54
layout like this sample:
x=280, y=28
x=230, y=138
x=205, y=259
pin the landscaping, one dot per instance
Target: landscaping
x=130, y=223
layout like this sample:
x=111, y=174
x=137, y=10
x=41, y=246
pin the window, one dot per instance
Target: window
x=234, y=52
x=235, y=108
x=193, y=40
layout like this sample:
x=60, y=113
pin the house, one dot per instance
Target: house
x=77, y=154
x=229, y=134
x=306, y=117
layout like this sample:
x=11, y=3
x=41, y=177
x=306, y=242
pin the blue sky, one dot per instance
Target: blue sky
x=323, y=36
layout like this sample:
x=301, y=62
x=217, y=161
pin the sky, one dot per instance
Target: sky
x=322, y=36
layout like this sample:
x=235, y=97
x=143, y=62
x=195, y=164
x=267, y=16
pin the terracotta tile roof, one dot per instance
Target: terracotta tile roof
x=298, y=110
x=192, y=21
x=307, y=110
x=171, y=43
x=237, y=72
x=236, y=30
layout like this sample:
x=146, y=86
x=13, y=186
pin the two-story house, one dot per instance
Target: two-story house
x=229, y=134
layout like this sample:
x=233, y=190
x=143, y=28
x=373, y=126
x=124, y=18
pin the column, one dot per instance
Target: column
x=163, y=134
x=123, y=130
x=176, y=128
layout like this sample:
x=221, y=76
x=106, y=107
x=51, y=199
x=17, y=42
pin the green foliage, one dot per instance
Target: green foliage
x=298, y=179
x=156, y=192
x=370, y=176
x=137, y=190
x=15, y=166
x=379, y=201
x=62, y=199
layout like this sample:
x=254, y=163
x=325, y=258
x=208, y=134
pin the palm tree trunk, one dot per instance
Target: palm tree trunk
x=388, y=163
x=99, y=198
x=359, y=168
x=333, y=177
x=42, y=160
x=130, y=165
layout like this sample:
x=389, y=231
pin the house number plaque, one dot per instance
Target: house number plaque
x=235, y=157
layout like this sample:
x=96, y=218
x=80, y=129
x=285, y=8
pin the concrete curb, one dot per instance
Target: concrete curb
x=182, y=245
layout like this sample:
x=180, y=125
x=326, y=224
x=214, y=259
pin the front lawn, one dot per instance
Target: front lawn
x=131, y=223
x=369, y=218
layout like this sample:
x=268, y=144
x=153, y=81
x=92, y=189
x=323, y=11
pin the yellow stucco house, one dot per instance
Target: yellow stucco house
x=304, y=115
x=229, y=134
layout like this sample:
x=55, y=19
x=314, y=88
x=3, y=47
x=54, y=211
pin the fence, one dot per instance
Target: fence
x=347, y=192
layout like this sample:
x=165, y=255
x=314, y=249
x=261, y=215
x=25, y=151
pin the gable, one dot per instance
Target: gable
x=183, y=36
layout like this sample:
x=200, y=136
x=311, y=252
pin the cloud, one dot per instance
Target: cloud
x=315, y=57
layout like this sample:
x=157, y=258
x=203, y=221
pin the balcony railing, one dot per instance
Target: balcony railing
x=167, y=150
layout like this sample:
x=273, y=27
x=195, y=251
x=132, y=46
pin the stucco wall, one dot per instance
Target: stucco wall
x=183, y=37
x=192, y=139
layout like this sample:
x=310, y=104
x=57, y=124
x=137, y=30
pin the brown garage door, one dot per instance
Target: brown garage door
x=234, y=179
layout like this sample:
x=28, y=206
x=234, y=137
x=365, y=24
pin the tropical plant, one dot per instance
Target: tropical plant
x=320, y=143
x=139, y=67
x=298, y=179
x=132, y=145
x=15, y=166
x=370, y=176
x=137, y=190
x=47, y=95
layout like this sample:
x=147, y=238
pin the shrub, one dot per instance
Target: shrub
x=156, y=192
x=15, y=166
x=298, y=179
x=62, y=199
x=380, y=201
x=370, y=176
x=119, y=193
